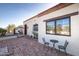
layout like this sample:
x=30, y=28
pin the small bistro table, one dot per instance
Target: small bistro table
x=54, y=42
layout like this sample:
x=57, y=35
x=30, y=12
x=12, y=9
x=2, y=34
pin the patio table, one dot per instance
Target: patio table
x=54, y=42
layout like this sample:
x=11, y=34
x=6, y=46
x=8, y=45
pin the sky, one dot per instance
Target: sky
x=16, y=13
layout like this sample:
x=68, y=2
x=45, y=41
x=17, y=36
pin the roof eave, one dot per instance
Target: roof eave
x=52, y=9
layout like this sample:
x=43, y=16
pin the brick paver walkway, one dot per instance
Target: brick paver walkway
x=25, y=46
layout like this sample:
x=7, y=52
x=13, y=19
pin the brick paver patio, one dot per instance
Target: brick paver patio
x=26, y=46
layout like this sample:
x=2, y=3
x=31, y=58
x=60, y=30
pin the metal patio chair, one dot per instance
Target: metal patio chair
x=45, y=43
x=63, y=47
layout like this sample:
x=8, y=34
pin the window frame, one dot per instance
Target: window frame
x=55, y=20
x=34, y=29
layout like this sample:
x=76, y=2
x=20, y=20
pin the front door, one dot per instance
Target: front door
x=25, y=29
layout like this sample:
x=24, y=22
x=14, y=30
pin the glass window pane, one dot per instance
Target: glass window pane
x=62, y=26
x=35, y=27
x=50, y=27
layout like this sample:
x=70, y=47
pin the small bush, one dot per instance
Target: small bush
x=2, y=32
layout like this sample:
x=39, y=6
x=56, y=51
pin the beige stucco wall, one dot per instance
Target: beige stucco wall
x=30, y=25
x=73, y=47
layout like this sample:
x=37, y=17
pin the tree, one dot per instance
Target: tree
x=2, y=31
x=10, y=28
x=59, y=28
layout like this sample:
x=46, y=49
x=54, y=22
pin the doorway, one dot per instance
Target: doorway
x=25, y=29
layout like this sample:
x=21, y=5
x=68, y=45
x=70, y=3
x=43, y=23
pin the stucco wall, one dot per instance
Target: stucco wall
x=73, y=47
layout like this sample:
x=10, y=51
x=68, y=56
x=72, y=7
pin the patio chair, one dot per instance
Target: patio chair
x=45, y=43
x=63, y=47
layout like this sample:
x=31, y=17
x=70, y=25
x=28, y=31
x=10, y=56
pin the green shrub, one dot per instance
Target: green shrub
x=2, y=32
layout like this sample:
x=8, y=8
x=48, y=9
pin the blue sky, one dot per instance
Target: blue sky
x=11, y=13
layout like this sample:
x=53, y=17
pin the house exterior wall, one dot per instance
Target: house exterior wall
x=30, y=24
x=73, y=40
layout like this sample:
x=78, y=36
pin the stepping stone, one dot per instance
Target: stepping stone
x=4, y=51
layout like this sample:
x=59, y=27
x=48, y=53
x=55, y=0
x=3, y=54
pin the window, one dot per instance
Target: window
x=50, y=27
x=62, y=26
x=59, y=26
x=35, y=31
x=35, y=27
